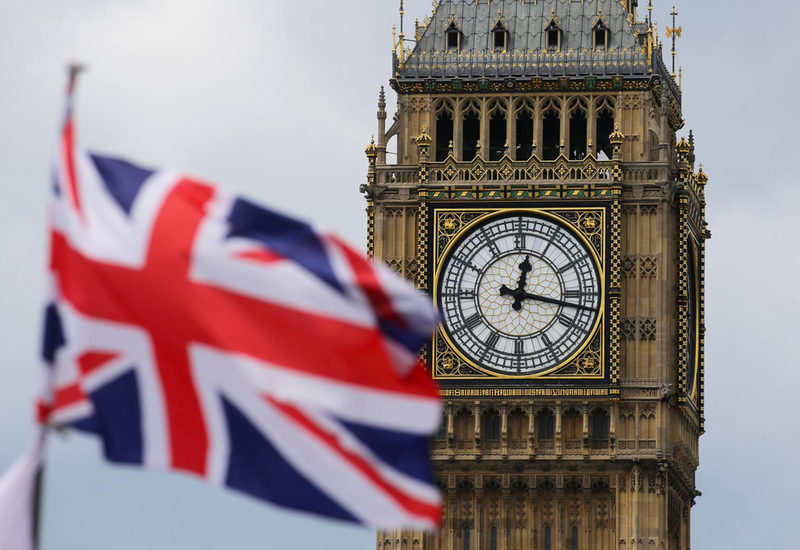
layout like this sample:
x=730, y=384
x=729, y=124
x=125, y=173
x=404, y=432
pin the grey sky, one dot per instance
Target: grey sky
x=277, y=99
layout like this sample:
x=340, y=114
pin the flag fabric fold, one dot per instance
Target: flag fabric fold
x=194, y=330
x=18, y=496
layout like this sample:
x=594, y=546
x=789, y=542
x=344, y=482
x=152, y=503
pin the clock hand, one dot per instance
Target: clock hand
x=547, y=300
x=524, y=268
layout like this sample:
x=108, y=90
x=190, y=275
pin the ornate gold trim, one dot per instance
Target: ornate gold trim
x=682, y=302
x=370, y=229
x=422, y=243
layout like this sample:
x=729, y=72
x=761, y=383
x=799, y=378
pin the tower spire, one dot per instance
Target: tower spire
x=675, y=33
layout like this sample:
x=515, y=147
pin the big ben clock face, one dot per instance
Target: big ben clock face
x=520, y=293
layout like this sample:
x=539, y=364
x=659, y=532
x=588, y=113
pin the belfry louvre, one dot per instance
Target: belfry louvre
x=538, y=189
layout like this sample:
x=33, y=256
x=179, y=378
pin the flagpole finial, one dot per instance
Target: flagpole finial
x=74, y=69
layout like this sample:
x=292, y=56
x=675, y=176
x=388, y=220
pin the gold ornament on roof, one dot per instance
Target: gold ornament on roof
x=616, y=137
x=701, y=177
x=683, y=146
x=371, y=149
x=424, y=140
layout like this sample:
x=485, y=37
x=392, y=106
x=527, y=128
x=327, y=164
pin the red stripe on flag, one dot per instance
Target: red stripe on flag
x=68, y=395
x=68, y=150
x=407, y=502
x=263, y=255
x=369, y=283
x=89, y=362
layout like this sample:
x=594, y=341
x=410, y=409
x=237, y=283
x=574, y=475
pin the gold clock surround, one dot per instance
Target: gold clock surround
x=589, y=224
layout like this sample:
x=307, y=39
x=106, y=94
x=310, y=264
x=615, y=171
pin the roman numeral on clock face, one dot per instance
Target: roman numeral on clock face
x=565, y=320
x=519, y=347
x=491, y=342
x=473, y=321
x=572, y=294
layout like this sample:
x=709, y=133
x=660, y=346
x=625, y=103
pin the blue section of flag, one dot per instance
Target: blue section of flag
x=407, y=338
x=257, y=469
x=405, y=452
x=286, y=236
x=53, y=334
x=87, y=425
x=123, y=179
x=118, y=419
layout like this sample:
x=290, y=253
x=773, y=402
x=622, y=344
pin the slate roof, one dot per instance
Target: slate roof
x=526, y=53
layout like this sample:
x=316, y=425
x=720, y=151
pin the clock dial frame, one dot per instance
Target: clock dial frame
x=481, y=327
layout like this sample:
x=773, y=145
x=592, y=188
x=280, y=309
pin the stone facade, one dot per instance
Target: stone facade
x=539, y=464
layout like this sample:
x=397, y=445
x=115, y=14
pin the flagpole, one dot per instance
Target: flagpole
x=73, y=71
x=37, y=504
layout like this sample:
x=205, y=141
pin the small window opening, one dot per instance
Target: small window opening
x=497, y=136
x=551, y=141
x=601, y=38
x=472, y=135
x=493, y=538
x=524, y=145
x=574, y=542
x=547, y=537
x=605, y=127
x=444, y=135
x=499, y=40
x=452, y=40
x=577, y=135
x=553, y=39
x=466, y=538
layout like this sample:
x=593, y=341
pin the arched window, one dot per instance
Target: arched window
x=605, y=127
x=466, y=538
x=547, y=538
x=573, y=543
x=546, y=428
x=551, y=134
x=491, y=425
x=463, y=429
x=493, y=538
x=497, y=135
x=599, y=425
x=442, y=434
x=524, y=145
x=444, y=135
x=578, y=127
x=518, y=430
x=655, y=146
x=572, y=429
x=471, y=135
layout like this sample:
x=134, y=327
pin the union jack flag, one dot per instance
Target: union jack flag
x=194, y=330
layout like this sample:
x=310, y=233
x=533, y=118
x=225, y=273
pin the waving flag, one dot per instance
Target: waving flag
x=193, y=330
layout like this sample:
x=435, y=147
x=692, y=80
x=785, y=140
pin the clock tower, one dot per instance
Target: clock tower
x=534, y=183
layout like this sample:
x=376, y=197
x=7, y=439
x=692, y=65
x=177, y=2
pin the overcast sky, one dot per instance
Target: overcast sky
x=277, y=99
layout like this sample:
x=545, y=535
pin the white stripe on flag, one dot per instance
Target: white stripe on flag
x=17, y=489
